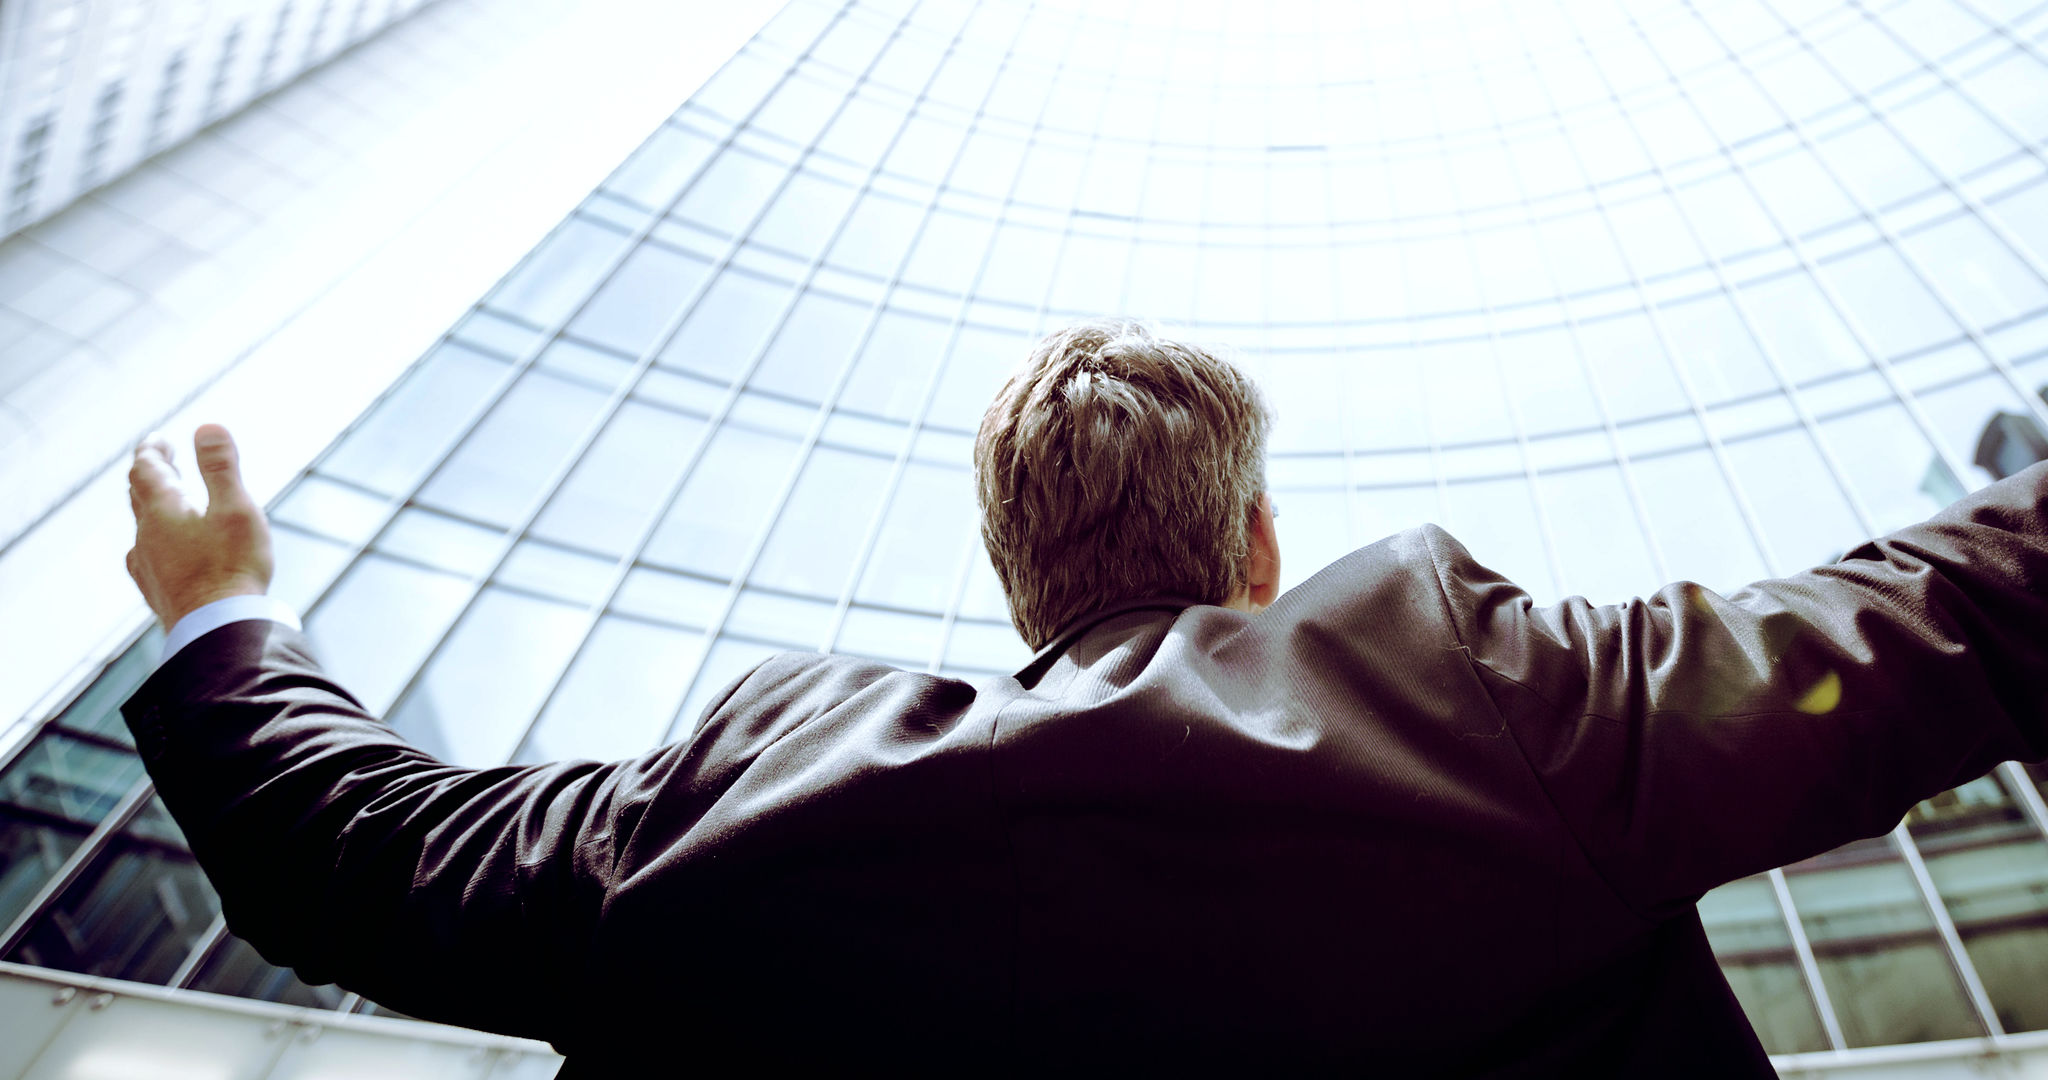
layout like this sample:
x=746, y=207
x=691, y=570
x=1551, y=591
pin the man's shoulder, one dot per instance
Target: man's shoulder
x=1401, y=575
x=793, y=686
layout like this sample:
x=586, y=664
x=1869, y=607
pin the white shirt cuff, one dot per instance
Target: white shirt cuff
x=209, y=617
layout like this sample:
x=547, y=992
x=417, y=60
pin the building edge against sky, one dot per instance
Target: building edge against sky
x=1703, y=290
x=93, y=87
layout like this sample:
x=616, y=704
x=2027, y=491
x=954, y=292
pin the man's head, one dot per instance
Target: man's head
x=1116, y=465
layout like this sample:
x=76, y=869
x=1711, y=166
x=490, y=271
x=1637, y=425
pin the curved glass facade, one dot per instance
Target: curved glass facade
x=1618, y=294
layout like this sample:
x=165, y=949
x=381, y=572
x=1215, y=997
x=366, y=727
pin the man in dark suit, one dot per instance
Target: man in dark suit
x=1398, y=819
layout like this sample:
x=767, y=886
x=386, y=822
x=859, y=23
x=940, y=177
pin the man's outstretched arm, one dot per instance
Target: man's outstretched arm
x=1690, y=739
x=460, y=895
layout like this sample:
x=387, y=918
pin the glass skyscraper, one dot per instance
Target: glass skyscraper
x=1618, y=294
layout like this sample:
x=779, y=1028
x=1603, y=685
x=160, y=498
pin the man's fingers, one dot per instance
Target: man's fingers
x=151, y=480
x=155, y=441
x=220, y=466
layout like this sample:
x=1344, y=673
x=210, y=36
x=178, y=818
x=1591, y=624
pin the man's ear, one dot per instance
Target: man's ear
x=1263, y=583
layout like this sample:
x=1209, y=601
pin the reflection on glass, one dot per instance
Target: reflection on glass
x=1990, y=866
x=235, y=968
x=1886, y=971
x=472, y=704
x=133, y=913
x=1747, y=930
x=389, y=449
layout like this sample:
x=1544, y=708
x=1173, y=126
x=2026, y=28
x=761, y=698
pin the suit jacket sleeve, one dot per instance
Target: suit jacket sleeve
x=1690, y=739
x=462, y=895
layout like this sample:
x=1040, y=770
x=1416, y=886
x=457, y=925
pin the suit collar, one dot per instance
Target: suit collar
x=1030, y=673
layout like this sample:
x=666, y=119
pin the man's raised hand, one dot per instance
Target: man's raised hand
x=183, y=557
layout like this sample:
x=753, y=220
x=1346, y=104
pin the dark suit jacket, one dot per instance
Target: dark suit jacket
x=1402, y=820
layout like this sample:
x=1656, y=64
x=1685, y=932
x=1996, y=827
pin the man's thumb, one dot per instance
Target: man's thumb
x=220, y=466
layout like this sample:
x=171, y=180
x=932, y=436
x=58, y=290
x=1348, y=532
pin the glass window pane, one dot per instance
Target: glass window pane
x=1875, y=165
x=560, y=272
x=1803, y=514
x=620, y=695
x=68, y=779
x=850, y=45
x=640, y=299
x=1383, y=399
x=728, y=326
x=1466, y=402
x=800, y=107
x=442, y=542
x=796, y=622
x=1698, y=527
x=1654, y=236
x=1161, y=281
x=986, y=646
x=1020, y=265
x=1886, y=972
x=1987, y=282
x=621, y=479
x=1893, y=307
x=396, y=442
x=1731, y=221
x=983, y=597
x=813, y=345
x=805, y=215
x=1990, y=868
x=379, y=622
x=890, y=378
x=723, y=503
x=235, y=968
x=863, y=129
x=1888, y=463
x=558, y=572
x=1721, y=358
x=928, y=528
x=982, y=359
x=1952, y=132
x=949, y=252
x=329, y=509
x=672, y=598
x=1629, y=362
x=1582, y=254
x=472, y=705
x=1300, y=284
x=1599, y=546
x=1801, y=193
x=658, y=170
x=811, y=549
x=97, y=710
x=51, y=796
x=1380, y=512
x=1804, y=332
x=891, y=637
x=599, y=369
x=1496, y=521
x=1747, y=930
x=1441, y=279
x=731, y=191
x=1314, y=532
x=1307, y=417
x=133, y=913
x=927, y=145
x=506, y=463
x=877, y=235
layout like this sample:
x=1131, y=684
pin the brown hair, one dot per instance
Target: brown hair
x=1115, y=465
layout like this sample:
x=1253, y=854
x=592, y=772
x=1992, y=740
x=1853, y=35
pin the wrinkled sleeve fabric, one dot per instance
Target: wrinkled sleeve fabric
x=468, y=896
x=1689, y=739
